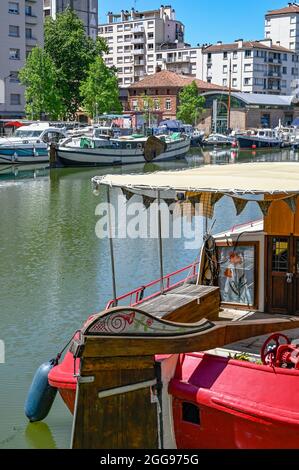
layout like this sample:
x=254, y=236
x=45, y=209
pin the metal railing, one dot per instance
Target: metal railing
x=137, y=297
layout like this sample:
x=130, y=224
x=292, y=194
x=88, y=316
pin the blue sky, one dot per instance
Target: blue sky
x=211, y=20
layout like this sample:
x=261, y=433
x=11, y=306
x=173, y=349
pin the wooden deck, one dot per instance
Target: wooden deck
x=187, y=303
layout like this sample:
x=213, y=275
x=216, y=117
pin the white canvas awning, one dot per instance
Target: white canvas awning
x=246, y=178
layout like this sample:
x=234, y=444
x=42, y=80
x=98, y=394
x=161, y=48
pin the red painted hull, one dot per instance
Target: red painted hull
x=240, y=405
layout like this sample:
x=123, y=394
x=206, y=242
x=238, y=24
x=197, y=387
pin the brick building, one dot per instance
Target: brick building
x=162, y=91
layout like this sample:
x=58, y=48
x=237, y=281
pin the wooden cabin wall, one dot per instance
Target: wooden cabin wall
x=280, y=219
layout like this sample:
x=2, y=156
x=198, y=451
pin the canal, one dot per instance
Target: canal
x=54, y=272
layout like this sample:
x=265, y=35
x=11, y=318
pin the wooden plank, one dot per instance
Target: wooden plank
x=123, y=421
x=220, y=334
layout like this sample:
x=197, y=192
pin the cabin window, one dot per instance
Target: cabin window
x=238, y=273
x=139, y=146
x=190, y=413
x=129, y=146
x=280, y=256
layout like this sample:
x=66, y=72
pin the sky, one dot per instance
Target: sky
x=208, y=21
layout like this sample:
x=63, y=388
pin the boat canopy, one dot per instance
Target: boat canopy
x=239, y=179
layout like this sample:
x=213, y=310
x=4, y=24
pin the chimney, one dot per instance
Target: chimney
x=240, y=43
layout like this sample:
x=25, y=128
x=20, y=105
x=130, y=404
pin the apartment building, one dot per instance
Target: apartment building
x=87, y=11
x=251, y=66
x=21, y=29
x=282, y=26
x=133, y=38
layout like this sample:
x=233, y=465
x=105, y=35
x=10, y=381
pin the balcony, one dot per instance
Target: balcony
x=138, y=29
x=31, y=19
x=139, y=74
x=271, y=60
x=177, y=60
x=138, y=51
x=139, y=63
x=274, y=74
x=137, y=41
x=31, y=41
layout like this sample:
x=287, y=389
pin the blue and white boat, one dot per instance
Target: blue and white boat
x=29, y=144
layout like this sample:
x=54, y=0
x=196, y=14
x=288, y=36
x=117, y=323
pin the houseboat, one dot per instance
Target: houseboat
x=99, y=151
x=261, y=138
x=148, y=357
x=29, y=144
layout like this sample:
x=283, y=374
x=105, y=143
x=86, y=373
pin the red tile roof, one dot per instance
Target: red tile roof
x=284, y=11
x=246, y=45
x=168, y=79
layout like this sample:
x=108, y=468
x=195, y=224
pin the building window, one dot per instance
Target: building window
x=28, y=10
x=247, y=68
x=248, y=53
x=247, y=81
x=14, y=77
x=224, y=82
x=13, y=8
x=120, y=27
x=150, y=24
x=150, y=47
x=15, y=99
x=101, y=29
x=225, y=55
x=29, y=33
x=285, y=57
x=292, y=45
x=284, y=70
x=293, y=19
x=150, y=35
x=14, y=54
x=157, y=105
x=14, y=31
x=235, y=55
x=292, y=33
x=235, y=68
x=235, y=82
x=225, y=69
x=135, y=105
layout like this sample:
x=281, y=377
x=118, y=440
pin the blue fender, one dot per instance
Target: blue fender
x=41, y=395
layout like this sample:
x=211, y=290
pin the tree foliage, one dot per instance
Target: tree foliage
x=190, y=104
x=42, y=95
x=99, y=91
x=72, y=53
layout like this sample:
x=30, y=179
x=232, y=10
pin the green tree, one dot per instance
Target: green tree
x=99, y=91
x=39, y=76
x=190, y=104
x=72, y=53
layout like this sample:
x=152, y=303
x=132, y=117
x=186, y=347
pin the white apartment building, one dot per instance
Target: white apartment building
x=251, y=66
x=21, y=29
x=87, y=11
x=282, y=26
x=134, y=37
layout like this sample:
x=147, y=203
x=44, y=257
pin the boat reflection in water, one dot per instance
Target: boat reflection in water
x=24, y=171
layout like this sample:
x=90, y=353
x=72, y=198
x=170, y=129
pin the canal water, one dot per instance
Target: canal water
x=54, y=272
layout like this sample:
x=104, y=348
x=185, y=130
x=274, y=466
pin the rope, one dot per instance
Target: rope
x=57, y=359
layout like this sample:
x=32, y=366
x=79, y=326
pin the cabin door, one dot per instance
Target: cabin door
x=283, y=275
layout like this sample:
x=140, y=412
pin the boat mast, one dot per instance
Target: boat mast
x=229, y=95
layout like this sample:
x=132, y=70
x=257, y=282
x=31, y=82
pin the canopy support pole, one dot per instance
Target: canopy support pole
x=111, y=248
x=160, y=244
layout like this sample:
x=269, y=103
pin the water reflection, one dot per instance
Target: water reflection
x=39, y=436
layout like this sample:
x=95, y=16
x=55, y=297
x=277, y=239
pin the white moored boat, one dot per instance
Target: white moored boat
x=29, y=144
x=85, y=151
